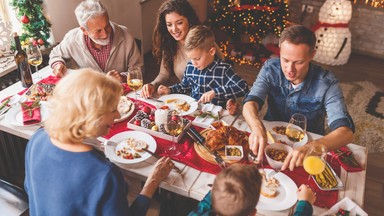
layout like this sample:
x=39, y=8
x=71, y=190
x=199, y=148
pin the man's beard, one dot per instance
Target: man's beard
x=102, y=42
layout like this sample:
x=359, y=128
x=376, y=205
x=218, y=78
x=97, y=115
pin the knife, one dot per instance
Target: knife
x=236, y=117
x=200, y=140
x=154, y=99
x=158, y=157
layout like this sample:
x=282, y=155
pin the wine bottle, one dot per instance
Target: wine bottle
x=21, y=60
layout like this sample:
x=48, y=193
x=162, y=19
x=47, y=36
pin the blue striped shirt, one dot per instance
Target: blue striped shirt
x=218, y=76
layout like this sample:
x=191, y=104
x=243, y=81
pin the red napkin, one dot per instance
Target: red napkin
x=31, y=112
x=346, y=159
x=126, y=88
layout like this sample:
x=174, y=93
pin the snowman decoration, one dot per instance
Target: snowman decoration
x=333, y=45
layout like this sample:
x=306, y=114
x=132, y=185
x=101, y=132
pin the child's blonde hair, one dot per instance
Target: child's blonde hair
x=199, y=37
x=236, y=190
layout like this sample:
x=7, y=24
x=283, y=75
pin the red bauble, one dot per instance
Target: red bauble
x=34, y=43
x=146, y=109
x=40, y=41
x=24, y=19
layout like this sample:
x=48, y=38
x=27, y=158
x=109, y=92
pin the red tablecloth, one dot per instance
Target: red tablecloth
x=190, y=157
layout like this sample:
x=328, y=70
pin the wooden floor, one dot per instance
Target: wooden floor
x=358, y=68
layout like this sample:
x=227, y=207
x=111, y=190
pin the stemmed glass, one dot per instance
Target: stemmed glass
x=34, y=58
x=296, y=128
x=315, y=160
x=174, y=127
x=135, y=82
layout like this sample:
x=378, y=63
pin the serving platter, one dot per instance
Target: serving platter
x=129, y=112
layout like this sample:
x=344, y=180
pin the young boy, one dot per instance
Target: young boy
x=236, y=191
x=206, y=76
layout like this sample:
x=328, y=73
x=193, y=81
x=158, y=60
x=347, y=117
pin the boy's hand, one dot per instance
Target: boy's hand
x=163, y=90
x=207, y=97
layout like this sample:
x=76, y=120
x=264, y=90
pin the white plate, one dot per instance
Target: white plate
x=15, y=116
x=286, y=198
x=270, y=125
x=126, y=115
x=120, y=138
x=187, y=98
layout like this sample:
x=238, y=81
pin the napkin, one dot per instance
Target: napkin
x=126, y=88
x=31, y=112
x=346, y=159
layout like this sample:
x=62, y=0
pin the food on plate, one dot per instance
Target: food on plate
x=277, y=154
x=269, y=187
x=125, y=105
x=40, y=91
x=183, y=106
x=226, y=135
x=173, y=100
x=279, y=129
x=137, y=145
x=282, y=142
x=232, y=106
x=326, y=179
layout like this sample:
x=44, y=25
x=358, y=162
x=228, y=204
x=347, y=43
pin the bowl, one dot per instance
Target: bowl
x=234, y=152
x=275, y=154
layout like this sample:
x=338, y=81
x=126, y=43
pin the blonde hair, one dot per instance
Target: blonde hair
x=78, y=103
x=199, y=37
x=236, y=190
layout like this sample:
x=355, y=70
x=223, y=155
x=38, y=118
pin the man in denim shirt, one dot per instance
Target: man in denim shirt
x=294, y=85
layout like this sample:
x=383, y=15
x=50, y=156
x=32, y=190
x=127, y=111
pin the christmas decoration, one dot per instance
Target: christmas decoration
x=372, y=3
x=333, y=45
x=35, y=25
x=248, y=22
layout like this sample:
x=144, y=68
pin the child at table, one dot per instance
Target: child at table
x=236, y=191
x=207, y=77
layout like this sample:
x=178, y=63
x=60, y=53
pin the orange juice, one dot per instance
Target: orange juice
x=313, y=165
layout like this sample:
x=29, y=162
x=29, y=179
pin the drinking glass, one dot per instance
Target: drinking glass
x=135, y=82
x=174, y=127
x=34, y=58
x=315, y=160
x=296, y=128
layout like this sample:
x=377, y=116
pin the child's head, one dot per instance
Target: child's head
x=236, y=190
x=200, y=46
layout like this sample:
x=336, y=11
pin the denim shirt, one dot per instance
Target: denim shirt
x=318, y=96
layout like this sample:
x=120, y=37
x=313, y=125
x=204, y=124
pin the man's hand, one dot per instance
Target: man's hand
x=59, y=70
x=147, y=90
x=163, y=90
x=207, y=97
x=114, y=74
x=295, y=158
x=257, y=142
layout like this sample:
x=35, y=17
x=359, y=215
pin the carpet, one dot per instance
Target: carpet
x=365, y=104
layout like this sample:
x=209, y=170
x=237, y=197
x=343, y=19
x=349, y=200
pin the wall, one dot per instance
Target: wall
x=366, y=25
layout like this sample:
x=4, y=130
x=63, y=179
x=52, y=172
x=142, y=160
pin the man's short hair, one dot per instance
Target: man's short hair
x=236, y=190
x=299, y=34
x=199, y=37
x=89, y=9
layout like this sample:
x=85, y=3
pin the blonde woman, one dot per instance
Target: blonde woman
x=64, y=176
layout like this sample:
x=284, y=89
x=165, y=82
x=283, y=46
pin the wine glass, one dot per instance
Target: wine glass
x=34, y=58
x=135, y=82
x=174, y=127
x=315, y=159
x=297, y=127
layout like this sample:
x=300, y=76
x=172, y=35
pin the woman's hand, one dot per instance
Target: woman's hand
x=161, y=170
x=163, y=90
x=147, y=90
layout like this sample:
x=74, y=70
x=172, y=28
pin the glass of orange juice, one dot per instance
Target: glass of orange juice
x=315, y=160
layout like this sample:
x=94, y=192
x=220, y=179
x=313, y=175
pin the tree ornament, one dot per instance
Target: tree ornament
x=24, y=19
x=40, y=41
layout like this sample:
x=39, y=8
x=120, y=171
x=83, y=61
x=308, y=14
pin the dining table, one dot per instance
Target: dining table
x=195, y=180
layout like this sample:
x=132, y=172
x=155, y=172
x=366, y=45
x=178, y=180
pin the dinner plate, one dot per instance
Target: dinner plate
x=186, y=98
x=286, y=196
x=269, y=126
x=15, y=116
x=126, y=115
x=120, y=138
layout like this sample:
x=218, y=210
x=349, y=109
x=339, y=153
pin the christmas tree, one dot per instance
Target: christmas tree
x=35, y=26
x=252, y=19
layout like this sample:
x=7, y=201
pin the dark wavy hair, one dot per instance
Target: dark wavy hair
x=164, y=45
